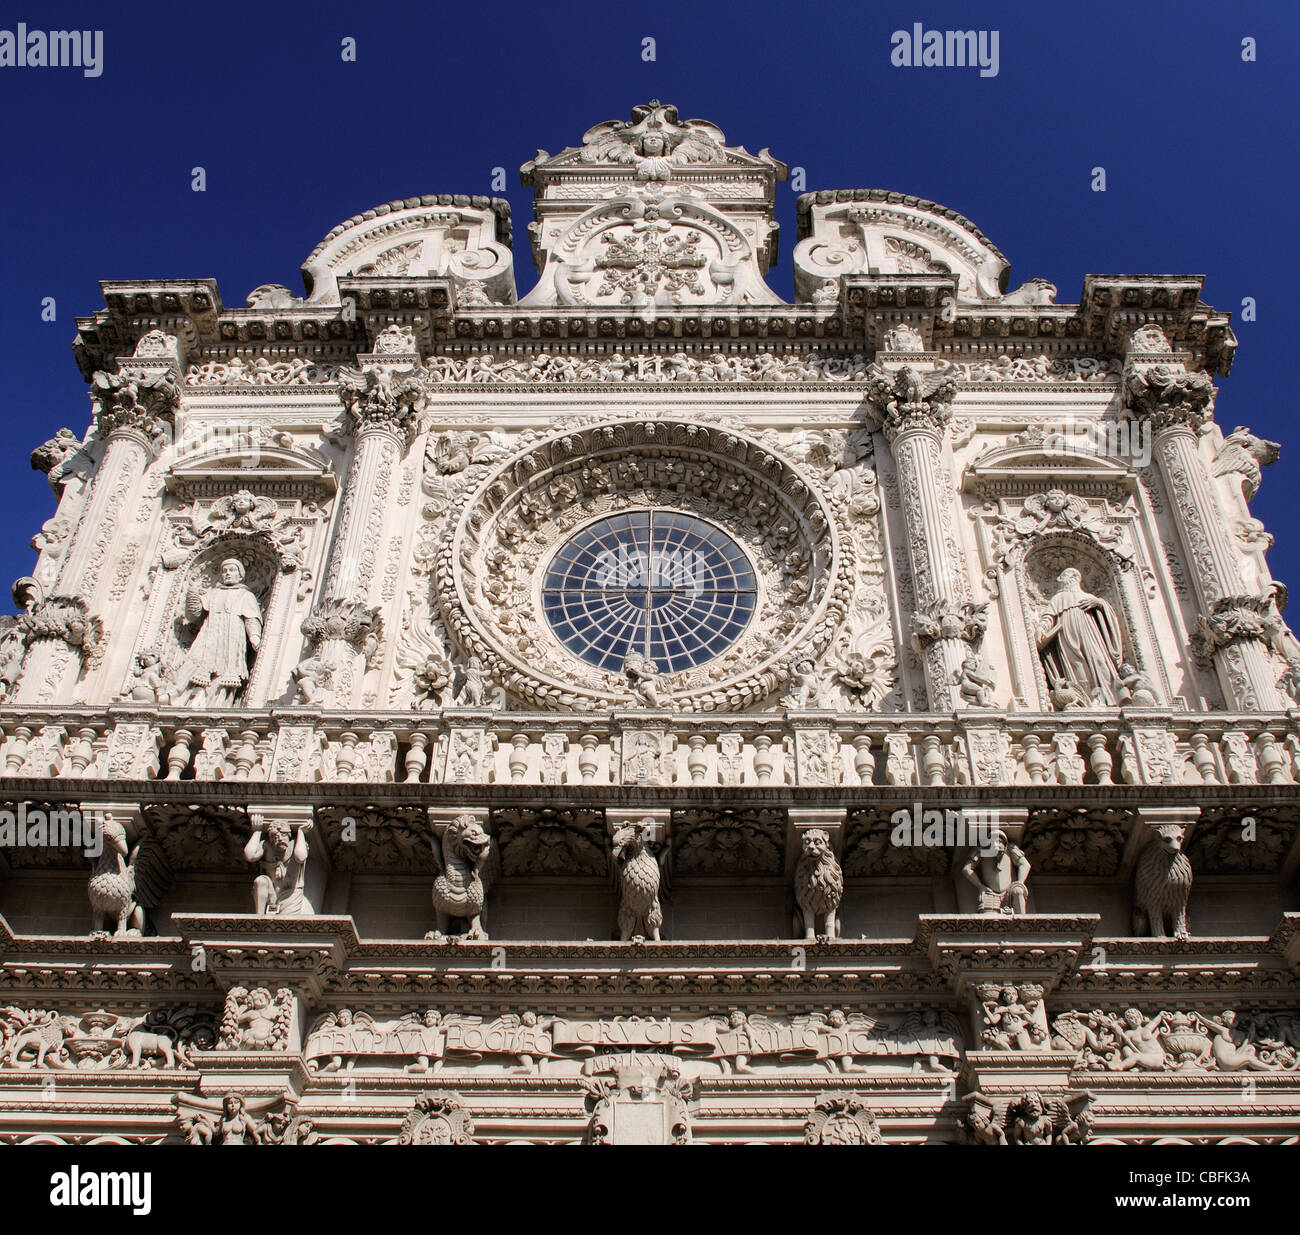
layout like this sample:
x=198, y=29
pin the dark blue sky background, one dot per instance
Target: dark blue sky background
x=1199, y=149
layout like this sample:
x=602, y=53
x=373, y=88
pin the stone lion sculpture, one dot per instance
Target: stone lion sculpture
x=1162, y=886
x=818, y=887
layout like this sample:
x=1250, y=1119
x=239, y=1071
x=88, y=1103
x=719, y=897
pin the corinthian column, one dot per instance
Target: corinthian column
x=915, y=412
x=383, y=407
x=1233, y=626
x=132, y=408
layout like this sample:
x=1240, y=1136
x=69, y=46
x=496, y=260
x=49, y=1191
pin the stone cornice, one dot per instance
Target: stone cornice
x=886, y=798
x=1109, y=309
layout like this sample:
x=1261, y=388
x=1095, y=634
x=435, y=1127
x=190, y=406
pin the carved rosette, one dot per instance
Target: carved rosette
x=841, y=1119
x=504, y=529
x=438, y=1118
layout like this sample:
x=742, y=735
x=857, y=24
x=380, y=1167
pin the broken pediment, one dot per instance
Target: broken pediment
x=466, y=239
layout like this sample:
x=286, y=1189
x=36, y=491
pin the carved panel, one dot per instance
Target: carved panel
x=725, y=842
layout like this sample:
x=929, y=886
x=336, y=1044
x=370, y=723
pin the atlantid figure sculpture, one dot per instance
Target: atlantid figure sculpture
x=1080, y=645
x=281, y=851
x=999, y=871
x=216, y=668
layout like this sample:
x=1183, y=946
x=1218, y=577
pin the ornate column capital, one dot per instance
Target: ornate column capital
x=945, y=619
x=135, y=401
x=909, y=401
x=1233, y=618
x=1170, y=396
x=64, y=618
x=379, y=398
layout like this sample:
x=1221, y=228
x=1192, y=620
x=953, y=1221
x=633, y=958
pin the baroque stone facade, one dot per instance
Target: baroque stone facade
x=667, y=714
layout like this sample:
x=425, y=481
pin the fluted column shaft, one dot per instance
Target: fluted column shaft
x=937, y=574
x=1233, y=626
x=62, y=629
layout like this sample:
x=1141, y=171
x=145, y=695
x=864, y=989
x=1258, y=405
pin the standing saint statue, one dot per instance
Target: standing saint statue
x=1080, y=645
x=216, y=667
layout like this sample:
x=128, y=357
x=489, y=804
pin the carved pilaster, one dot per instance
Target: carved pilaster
x=1178, y=404
x=133, y=409
x=383, y=405
x=915, y=410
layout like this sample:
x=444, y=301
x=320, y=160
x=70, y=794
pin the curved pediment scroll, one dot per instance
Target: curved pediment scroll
x=1039, y=459
x=245, y=462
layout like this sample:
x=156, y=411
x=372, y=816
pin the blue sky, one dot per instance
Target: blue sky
x=1199, y=149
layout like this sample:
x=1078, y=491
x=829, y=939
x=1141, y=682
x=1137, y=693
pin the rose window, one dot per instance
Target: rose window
x=658, y=583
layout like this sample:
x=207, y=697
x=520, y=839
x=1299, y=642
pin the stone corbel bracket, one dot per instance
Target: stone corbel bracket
x=657, y=821
x=1285, y=940
x=248, y=950
x=1144, y=832
x=874, y=304
x=968, y=950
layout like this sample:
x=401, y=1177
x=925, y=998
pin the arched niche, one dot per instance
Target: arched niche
x=167, y=633
x=1037, y=579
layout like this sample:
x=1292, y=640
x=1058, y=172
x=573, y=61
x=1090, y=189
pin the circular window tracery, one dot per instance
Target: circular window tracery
x=661, y=583
x=492, y=560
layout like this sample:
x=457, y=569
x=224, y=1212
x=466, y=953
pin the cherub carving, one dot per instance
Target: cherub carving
x=311, y=675
x=653, y=143
x=253, y=1021
x=148, y=681
x=1134, y=688
x=643, y=677
x=1013, y=1019
x=336, y=1032
x=976, y=682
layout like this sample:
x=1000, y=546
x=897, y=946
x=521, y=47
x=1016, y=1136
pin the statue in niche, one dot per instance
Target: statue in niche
x=1080, y=645
x=215, y=670
x=1000, y=876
